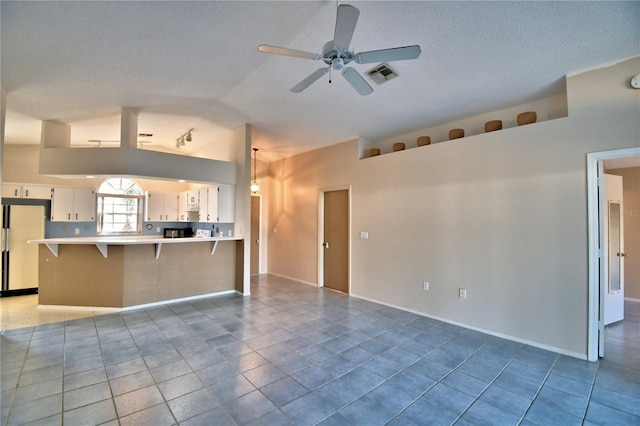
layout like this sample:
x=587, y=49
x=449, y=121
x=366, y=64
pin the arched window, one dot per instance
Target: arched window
x=120, y=203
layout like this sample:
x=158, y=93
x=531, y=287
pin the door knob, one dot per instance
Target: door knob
x=325, y=244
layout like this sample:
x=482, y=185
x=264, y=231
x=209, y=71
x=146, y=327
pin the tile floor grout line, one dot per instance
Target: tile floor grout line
x=17, y=385
x=524, y=415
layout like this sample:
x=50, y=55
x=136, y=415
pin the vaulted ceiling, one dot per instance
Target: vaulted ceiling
x=185, y=65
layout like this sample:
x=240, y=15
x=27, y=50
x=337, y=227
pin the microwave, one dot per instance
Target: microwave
x=178, y=232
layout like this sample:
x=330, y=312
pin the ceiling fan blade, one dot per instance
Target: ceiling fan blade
x=356, y=80
x=345, y=26
x=309, y=80
x=265, y=48
x=388, y=55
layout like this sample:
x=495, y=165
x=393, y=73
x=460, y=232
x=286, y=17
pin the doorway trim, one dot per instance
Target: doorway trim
x=321, y=192
x=594, y=312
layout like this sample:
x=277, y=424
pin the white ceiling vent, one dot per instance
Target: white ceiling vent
x=381, y=73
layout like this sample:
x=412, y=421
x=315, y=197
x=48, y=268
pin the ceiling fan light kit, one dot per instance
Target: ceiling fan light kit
x=338, y=53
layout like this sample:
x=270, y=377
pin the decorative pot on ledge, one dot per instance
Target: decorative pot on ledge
x=528, y=117
x=423, y=140
x=456, y=134
x=493, y=125
x=374, y=151
x=398, y=146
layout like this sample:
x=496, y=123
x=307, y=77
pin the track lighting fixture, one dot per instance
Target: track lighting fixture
x=186, y=136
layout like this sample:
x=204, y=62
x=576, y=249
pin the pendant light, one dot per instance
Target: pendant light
x=254, y=185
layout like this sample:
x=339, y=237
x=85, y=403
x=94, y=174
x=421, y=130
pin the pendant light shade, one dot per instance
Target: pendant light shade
x=254, y=185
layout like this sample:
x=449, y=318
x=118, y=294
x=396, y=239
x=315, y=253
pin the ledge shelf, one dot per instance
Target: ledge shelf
x=101, y=243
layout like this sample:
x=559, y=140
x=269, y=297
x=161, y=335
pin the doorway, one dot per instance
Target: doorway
x=596, y=209
x=612, y=263
x=335, y=234
x=254, y=267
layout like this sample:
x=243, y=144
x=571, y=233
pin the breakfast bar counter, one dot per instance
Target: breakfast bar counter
x=121, y=272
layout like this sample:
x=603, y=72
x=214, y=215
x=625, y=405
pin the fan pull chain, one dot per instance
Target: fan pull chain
x=330, y=75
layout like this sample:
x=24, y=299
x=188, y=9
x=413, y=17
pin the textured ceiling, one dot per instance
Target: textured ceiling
x=196, y=64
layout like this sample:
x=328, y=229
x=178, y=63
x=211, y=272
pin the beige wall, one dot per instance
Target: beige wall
x=631, y=205
x=502, y=214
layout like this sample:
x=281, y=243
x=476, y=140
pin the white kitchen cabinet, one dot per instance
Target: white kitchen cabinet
x=20, y=190
x=84, y=205
x=217, y=204
x=208, y=211
x=161, y=207
x=226, y=203
x=171, y=207
x=154, y=206
x=183, y=210
x=38, y=192
x=72, y=205
x=11, y=190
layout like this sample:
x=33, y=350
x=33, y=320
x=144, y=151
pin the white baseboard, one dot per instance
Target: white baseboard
x=182, y=299
x=294, y=279
x=131, y=308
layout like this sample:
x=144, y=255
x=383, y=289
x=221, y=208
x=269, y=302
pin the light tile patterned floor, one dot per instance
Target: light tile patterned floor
x=294, y=354
x=23, y=311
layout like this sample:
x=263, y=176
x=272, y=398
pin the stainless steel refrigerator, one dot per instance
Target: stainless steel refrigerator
x=20, y=224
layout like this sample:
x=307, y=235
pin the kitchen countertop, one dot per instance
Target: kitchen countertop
x=129, y=240
x=102, y=242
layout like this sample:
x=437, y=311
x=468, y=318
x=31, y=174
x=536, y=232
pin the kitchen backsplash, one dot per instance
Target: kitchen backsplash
x=90, y=229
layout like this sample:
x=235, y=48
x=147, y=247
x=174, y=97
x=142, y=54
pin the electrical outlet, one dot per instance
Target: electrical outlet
x=425, y=285
x=76, y=231
x=462, y=293
x=364, y=235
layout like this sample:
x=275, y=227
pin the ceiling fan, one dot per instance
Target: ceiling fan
x=338, y=52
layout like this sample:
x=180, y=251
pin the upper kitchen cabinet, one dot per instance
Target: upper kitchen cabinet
x=161, y=207
x=72, y=205
x=11, y=190
x=17, y=190
x=36, y=192
x=208, y=211
x=217, y=204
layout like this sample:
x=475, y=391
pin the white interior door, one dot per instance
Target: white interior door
x=27, y=223
x=612, y=262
